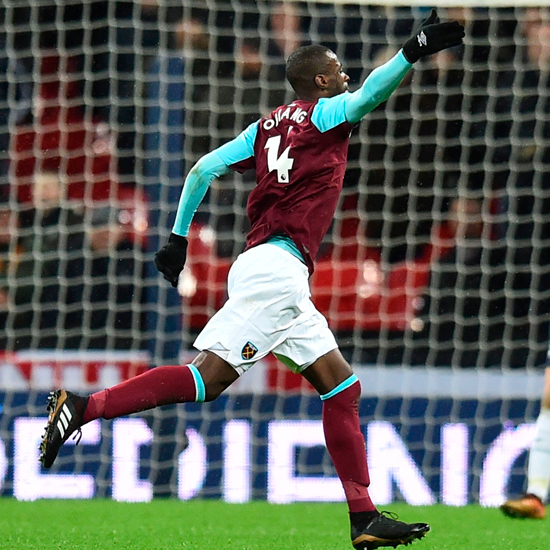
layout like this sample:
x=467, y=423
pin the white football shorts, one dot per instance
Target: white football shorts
x=269, y=309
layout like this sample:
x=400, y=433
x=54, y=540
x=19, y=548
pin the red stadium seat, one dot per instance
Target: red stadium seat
x=63, y=138
x=205, y=277
x=350, y=288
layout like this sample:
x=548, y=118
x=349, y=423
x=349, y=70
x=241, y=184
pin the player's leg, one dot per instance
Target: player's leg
x=531, y=505
x=263, y=286
x=203, y=380
x=340, y=391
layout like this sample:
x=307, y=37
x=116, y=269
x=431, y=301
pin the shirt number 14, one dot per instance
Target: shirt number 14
x=283, y=163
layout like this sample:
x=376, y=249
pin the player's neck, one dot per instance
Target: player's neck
x=309, y=98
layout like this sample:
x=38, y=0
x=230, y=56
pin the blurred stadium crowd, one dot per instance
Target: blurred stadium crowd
x=440, y=252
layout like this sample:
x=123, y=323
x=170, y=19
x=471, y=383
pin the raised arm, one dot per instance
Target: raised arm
x=196, y=185
x=431, y=37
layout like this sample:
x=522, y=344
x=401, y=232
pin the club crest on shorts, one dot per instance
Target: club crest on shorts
x=249, y=350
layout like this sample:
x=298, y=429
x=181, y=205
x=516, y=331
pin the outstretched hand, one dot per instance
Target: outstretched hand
x=432, y=37
x=170, y=259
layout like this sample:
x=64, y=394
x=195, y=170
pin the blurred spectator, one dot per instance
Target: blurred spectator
x=520, y=174
x=421, y=310
x=410, y=154
x=48, y=289
x=10, y=255
x=368, y=302
x=484, y=279
x=164, y=174
x=63, y=137
x=460, y=318
x=251, y=81
x=342, y=31
x=111, y=292
x=247, y=95
x=131, y=33
x=285, y=31
x=15, y=101
x=381, y=265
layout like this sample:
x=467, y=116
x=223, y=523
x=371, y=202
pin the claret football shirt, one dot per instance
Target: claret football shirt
x=299, y=153
x=299, y=174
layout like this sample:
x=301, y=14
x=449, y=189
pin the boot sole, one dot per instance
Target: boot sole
x=55, y=402
x=371, y=542
x=512, y=512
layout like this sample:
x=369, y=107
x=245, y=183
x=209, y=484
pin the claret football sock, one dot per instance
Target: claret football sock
x=159, y=386
x=346, y=446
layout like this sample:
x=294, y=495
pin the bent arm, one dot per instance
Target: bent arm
x=212, y=165
x=194, y=189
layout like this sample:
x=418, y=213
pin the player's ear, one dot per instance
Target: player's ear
x=321, y=81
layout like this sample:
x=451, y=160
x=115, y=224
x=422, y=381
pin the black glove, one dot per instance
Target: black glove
x=170, y=259
x=432, y=37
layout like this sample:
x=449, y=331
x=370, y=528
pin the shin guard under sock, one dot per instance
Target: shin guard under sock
x=346, y=446
x=159, y=386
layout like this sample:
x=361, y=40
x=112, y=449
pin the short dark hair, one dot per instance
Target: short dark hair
x=304, y=64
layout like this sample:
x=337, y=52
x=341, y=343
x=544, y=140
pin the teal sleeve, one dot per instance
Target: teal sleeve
x=352, y=107
x=213, y=165
x=240, y=148
x=196, y=185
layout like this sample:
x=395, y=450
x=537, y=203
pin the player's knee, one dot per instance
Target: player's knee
x=214, y=389
x=344, y=395
x=355, y=391
x=215, y=373
x=352, y=393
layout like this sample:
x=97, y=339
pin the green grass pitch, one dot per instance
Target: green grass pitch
x=207, y=524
